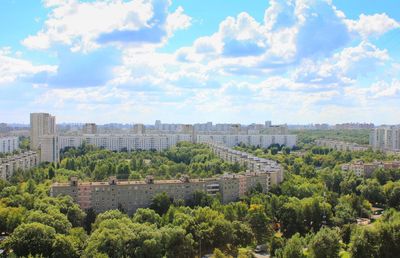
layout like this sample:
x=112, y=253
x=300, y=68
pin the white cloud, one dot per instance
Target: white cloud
x=384, y=89
x=81, y=24
x=178, y=20
x=290, y=32
x=12, y=68
x=373, y=25
x=343, y=67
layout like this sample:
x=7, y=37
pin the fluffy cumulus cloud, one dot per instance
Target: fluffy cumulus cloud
x=13, y=67
x=372, y=25
x=343, y=67
x=85, y=26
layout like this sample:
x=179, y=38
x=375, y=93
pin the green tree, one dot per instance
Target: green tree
x=286, y=150
x=10, y=218
x=146, y=216
x=63, y=247
x=177, y=244
x=161, y=203
x=274, y=150
x=90, y=218
x=53, y=218
x=32, y=238
x=294, y=247
x=51, y=172
x=259, y=222
x=242, y=234
x=364, y=243
x=326, y=243
x=372, y=191
x=108, y=215
x=123, y=171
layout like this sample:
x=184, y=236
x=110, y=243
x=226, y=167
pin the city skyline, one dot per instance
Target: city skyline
x=295, y=62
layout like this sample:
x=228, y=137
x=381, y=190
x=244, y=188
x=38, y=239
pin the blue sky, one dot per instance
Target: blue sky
x=289, y=61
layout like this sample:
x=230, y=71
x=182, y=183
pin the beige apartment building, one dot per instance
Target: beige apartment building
x=44, y=136
x=24, y=161
x=49, y=150
x=363, y=169
x=341, y=145
x=132, y=195
x=41, y=124
x=89, y=128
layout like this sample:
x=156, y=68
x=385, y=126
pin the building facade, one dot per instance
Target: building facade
x=49, y=148
x=385, y=138
x=341, y=145
x=43, y=136
x=260, y=140
x=127, y=142
x=89, y=128
x=41, y=124
x=9, y=144
x=363, y=169
x=24, y=161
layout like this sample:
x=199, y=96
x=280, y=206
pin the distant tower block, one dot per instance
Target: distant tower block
x=89, y=128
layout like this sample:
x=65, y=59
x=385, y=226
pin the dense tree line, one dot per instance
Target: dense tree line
x=186, y=158
x=360, y=136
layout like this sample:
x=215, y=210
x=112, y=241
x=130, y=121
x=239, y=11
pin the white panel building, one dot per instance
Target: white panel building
x=9, y=144
x=127, y=142
x=385, y=138
x=261, y=140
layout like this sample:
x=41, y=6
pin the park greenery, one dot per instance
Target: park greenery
x=313, y=213
x=360, y=136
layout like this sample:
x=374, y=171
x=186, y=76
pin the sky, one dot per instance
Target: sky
x=187, y=61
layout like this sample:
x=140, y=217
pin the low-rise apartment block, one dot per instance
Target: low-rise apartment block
x=361, y=168
x=341, y=145
x=24, y=161
x=252, y=163
x=132, y=195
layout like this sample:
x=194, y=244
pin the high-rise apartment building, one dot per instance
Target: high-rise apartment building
x=49, y=151
x=385, y=138
x=41, y=124
x=89, y=128
x=138, y=129
x=44, y=136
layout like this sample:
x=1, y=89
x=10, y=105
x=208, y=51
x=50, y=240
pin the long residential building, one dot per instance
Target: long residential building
x=9, y=165
x=9, y=144
x=132, y=195
x=261, y=140
x=252, y=163
x=361, y=168
x=160, y=142
x=127, y=142
x=341, y=145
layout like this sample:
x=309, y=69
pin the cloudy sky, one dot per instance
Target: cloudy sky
x=289, y=61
